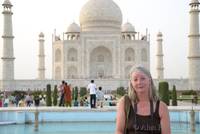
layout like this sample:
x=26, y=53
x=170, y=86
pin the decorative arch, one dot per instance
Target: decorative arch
x=58, y=73
x=144, y=54
x=123, y=37
x=72, y=54
x=101, y=63
x=127, y=71
x=129, y=54
x=72, y=72
x=129, y=36
x=100, y=58
x=58, y=55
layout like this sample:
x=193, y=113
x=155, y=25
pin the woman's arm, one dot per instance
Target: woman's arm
x=120, y=119
x=164, y=118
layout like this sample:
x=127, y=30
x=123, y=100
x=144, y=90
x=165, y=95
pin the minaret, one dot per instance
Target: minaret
x=194, y=50
x=41, y=57
x=8, y=56
x=159, y=55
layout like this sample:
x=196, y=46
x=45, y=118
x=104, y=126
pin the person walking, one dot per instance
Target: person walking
x=100, y=97
x=92, y=89
x=67, y=95
x=61, y=103
x=6, y=101
x=28, y=100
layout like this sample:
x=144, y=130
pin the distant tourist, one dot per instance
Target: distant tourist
x=67, y=95
x=6, y=101
x=17, y=99
x=92, y=89
x=112, y=101
x=100, y=97
x=85, y=102
x=21, y=103
x=1, y=101
x=28, y=100
x=37, y=100
x=61, y=103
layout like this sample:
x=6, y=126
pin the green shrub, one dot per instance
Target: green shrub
x=195, y=99
x=75, y=93
x=55, y=95
x=174, y=96
x=189, y=92
x=75, y=96
x=121, y=91
x=37, y=93
x=170, y=94
x=83, y=91
x=48, y=95
x=164, y=92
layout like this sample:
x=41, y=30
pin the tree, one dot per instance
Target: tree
x=164, y=92
x=174, y=96
x=75, y=93
x=83, y=91
x=55, y=95
x=48, y=95
x=75, y=96
x=121, y=91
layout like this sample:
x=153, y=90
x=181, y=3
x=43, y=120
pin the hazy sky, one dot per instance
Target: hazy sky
x=30, y=17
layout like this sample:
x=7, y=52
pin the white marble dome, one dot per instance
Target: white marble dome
x=128, y=27
x=194, y=1
x=7, y=3
x=73, y=28
x=98, y=14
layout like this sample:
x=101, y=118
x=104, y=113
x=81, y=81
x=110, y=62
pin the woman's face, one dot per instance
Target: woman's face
x=140, y=82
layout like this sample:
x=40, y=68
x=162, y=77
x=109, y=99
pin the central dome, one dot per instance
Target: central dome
x=100, y=15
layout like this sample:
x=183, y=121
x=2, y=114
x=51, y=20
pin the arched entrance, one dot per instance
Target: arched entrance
x=101, y=63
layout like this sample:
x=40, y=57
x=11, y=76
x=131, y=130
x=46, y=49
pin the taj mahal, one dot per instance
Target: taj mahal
x=101, y=48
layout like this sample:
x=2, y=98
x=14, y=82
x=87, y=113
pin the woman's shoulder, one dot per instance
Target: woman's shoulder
x=163, y=109
x=124, y=98
x=121, y=100
x=124, y=101
x=162, y=104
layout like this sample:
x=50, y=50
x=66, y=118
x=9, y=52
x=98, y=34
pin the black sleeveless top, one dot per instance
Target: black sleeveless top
x=144, y=124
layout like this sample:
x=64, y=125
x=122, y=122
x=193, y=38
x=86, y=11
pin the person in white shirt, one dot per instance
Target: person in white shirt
x=92, y=89
x=28, y=100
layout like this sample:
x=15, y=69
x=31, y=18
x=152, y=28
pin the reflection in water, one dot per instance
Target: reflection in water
x=82, y=128
x=36, y=120
x=192, y=121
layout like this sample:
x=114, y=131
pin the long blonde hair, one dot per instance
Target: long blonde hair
x=131, y=91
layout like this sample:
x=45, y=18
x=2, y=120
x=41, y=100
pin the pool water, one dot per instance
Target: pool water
x=81, y=128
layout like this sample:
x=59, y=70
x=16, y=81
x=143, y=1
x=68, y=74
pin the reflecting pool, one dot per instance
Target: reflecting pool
x=81, y=128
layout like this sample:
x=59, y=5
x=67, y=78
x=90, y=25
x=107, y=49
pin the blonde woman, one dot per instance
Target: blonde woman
x=146, y=113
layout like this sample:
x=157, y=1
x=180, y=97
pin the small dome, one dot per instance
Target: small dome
x=128, y=27
x=41, y=34
x=159, y=34
x=100, y=15
x=7, y=3
x=73, y=28
x=194, y=2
